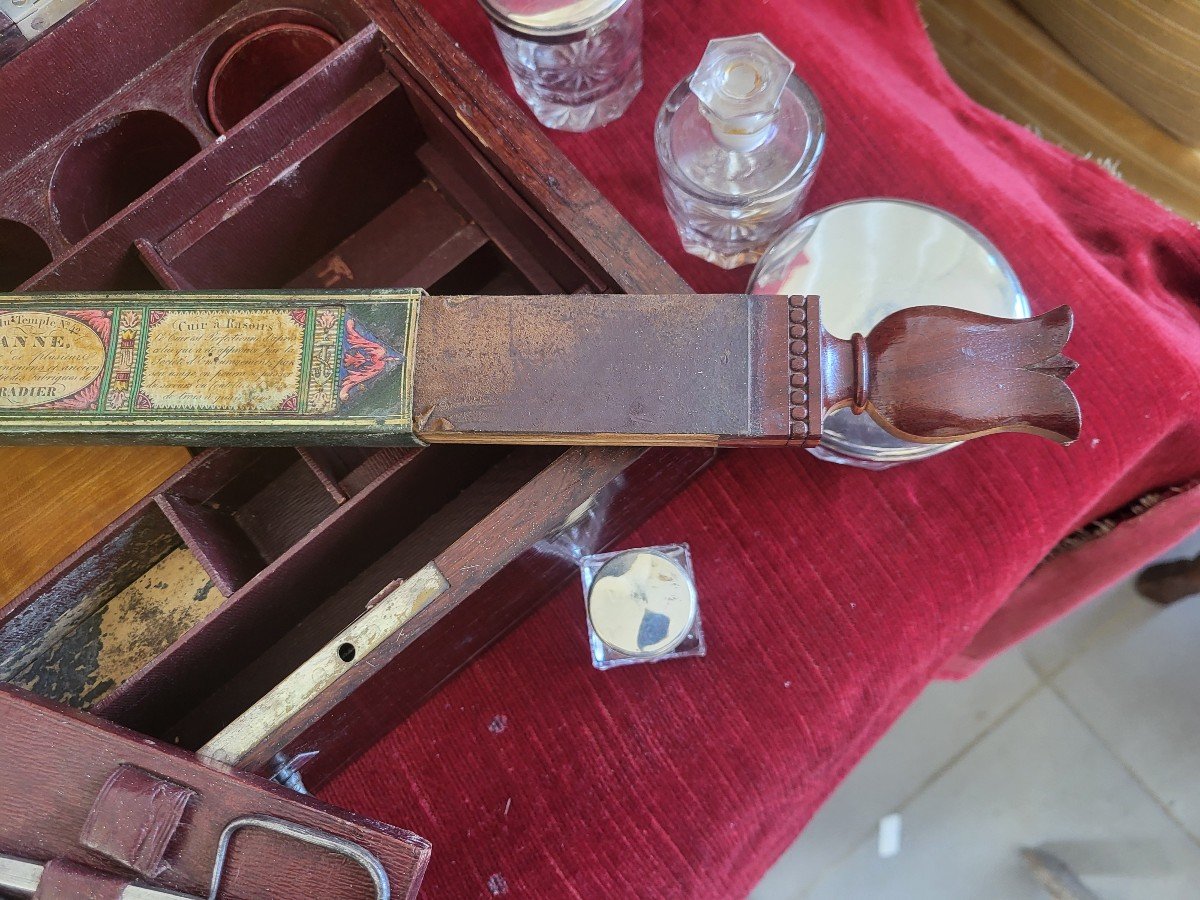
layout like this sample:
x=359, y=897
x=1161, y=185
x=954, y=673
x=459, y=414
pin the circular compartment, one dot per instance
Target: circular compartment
x=23, y=253
x=261, y=64
x=112, y=165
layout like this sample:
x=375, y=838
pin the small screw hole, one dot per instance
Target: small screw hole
x=346, y=652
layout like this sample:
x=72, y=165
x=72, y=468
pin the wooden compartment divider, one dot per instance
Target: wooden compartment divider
x=160, y=270
x=122, y=51
x=418, y=240
x=506, y=217
x=239, y=688
x=288, y=588
x=220, y=547
x=517, y=568
x=104, y=259
x=117, y=150
x=290, y=229
x=345, y=471
x=236, y=535
x=285, y=510
x=111, y=165
x=524, y=259
x=312, y=120
x=327, y=466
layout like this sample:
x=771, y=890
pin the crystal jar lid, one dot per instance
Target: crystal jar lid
x=869, y=258
x=550, y=18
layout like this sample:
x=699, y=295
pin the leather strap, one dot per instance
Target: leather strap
x=133, y=819
x=65, y=880
x=56, y=759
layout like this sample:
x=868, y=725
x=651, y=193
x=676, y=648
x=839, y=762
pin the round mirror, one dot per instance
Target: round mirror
x=867, y=259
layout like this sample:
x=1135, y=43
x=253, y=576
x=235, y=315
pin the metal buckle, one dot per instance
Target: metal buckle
x=313, y=836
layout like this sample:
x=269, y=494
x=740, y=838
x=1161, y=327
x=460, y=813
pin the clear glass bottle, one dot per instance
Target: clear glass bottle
x=738, y=143
x=576, y=63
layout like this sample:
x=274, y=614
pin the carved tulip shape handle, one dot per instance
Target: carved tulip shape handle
x=933, y=374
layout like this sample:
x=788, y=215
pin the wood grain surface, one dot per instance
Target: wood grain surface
x=1005, y=61
x=1146, y=51
x=55, y=498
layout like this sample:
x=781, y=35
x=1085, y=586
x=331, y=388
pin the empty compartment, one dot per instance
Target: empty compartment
x=414, y=242
x=256, y=60
x=397, y=558
x=396, y=504
x=112, y=165
x=245, y=510
x=291, y=505
x=486, y=271
x=292, y=210
x=23, y=254
x=383, y=191
x=460, y=170
x=103, y=620
x=374, y=466
x=345, y=471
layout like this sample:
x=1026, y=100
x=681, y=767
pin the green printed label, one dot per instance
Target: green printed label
x=261, y=360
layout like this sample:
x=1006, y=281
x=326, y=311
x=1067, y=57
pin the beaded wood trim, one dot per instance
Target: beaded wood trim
x=803, y=350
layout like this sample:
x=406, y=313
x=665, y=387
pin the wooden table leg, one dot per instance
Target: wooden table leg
x=1170, y=581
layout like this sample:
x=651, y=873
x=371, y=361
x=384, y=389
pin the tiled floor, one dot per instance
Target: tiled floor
x=1084, y=741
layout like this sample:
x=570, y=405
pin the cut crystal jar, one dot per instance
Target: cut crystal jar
x=577, y=64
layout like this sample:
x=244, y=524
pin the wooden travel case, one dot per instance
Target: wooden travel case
x=164, y=145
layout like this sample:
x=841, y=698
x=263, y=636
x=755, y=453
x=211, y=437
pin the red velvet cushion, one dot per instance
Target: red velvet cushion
x=830, y=595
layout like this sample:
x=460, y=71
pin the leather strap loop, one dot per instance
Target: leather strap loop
x=133, y=819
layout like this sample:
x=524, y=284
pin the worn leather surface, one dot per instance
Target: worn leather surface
x=133, y=819
x=830, y=596
x=64, y=880
x=57, y=760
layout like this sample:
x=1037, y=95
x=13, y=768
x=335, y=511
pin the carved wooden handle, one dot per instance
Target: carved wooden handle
x=933, y=374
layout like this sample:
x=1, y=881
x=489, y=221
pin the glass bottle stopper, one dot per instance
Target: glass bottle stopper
x=739, y=83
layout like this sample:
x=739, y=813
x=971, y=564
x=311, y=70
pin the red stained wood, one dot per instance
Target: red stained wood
x=532, y=166
x=284, y=592
x=419, y=239
x=929, y=373
x=473, y=621
x=57, y=763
